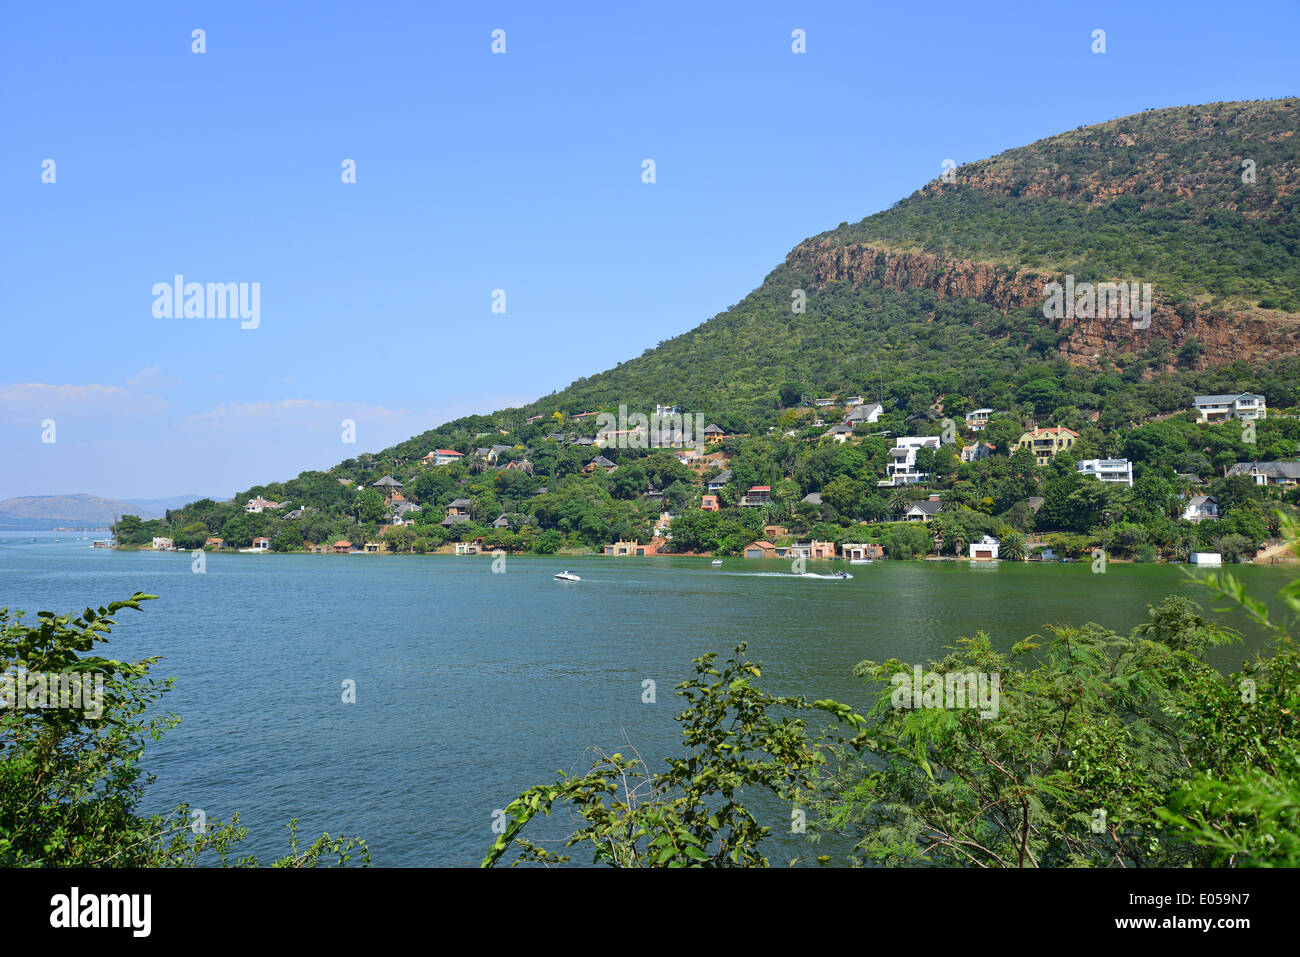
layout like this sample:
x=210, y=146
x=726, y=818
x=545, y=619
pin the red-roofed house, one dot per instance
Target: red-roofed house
x=758, y=495
x=443, y=456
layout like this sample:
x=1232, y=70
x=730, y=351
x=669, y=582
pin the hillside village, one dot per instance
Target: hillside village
x=836, y=477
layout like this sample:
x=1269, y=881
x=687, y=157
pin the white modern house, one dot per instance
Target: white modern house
x=1201, y=508
x=1246, y=406
x=1117, y=471
x=901, y=467
x=978, y=419
x=985, y=550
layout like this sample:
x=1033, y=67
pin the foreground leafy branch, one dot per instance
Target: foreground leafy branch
x=739, y=742
x=71, y=778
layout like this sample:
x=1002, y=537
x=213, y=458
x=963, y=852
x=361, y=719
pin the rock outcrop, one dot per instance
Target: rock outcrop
x=1225, y=335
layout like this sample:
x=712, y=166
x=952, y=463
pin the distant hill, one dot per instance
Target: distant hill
x=54, y=511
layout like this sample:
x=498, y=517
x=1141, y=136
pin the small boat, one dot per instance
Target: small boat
x=567, y=576
x=841, y=575
x=860, y=561
x=716, y=561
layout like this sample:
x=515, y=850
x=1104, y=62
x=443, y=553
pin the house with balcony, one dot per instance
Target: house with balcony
x=1045, y=443
x=1246, y=406
x=1201, y=508
x=1115, y=471
x=924, y=510
x=719, y=481
x=442, y=457
x=1279, y=474
x=757, y=495
x=901, y=468
x=978, y=420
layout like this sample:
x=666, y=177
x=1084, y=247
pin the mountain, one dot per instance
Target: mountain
x=56, y=511
x=943, y=294
x=944, y=291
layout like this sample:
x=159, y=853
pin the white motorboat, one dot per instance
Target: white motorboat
x=716, y=561
x=567, y=576
x=860, y=561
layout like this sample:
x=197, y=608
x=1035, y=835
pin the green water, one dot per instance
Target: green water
x=472, y=686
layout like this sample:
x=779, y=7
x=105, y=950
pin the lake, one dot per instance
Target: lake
x=471, y=686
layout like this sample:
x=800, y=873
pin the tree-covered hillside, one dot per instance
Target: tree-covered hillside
x=1158, y=196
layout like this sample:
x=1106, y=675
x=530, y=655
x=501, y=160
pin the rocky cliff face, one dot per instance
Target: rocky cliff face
x=1253, y=335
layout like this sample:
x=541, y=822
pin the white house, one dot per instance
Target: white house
x=1117, y=471
x=255, y=506
x=985, y=550
x=443, y=456
x=1201, y=508
x=977, y=420
x=1246, y=406
x=901, y=467
x=840, y=433
x=923, y=511
x=860, y=413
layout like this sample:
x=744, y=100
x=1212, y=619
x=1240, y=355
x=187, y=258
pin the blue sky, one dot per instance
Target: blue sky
x=477, y=171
